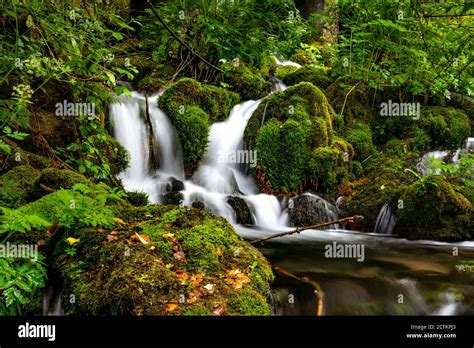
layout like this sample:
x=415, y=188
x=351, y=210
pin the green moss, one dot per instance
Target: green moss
x=137, y=198
x=284, y=130
x=15, y=186
x=432, y=209
x=448, y=128
x=112, y=153
x=316, y=76
x=192, y=107
x=20, y=157
x=284, y=70
x=382, y=183
x=52, y=179
x=276, y=141
x=268, y=66
x=360, y=136
x=247, y=302
x=352, y=99
x=114, y=277
x=248, y=83
x=321, y=167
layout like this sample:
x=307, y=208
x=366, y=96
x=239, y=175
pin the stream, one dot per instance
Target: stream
x=390, y=275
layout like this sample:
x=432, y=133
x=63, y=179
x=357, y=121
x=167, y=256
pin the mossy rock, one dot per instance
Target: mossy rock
x=359, y=135
x=286, y=130
x=284, y=70
x=382, y=183
x=192, y=107
x=52, y=179
x=191, y=266
x=433, y=210
x=20, y=157
x=15, y=186
x=112, y=153
x=448, y=128
x=352, y=99
x=241, y=209
x=317, y=76
x=247, y=82
x=137, y=198
x=443, y=128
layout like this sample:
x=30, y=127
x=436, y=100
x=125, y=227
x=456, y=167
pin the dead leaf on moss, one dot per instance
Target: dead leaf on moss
x=120, y=221
x=218, y=310
x=179, y=255
x=170, y=307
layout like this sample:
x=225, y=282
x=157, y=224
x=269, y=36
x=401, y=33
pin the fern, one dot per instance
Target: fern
x=20, y=279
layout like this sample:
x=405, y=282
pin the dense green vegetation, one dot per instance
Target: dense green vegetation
x=120, y=255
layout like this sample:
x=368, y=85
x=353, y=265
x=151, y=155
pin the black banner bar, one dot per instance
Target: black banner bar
x=406, y=330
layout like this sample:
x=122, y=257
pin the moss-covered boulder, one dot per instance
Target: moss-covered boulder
x=112, y=153
x=192, y=107
x=352, y=99
x=443, y=128
x=433, y=210
x=317, y=76
x=20, y=157
x=241, y=210
x=382, y=183
x=448, y=128
x=359, y=135
x=15, y=186
x=163, y=261
x=289, y=131
x=249, y=83
x=52, y=179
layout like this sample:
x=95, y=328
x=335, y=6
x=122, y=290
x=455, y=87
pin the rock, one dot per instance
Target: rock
x=175, y=198
x=176, y=185
x=192, y=107
x=198, y=205
x=115, y=277
x=241, y=209
x=55, y=179
x=15, y=186
x=434, y=210
x=137, y=198
x=287, y=131
x=308, y=209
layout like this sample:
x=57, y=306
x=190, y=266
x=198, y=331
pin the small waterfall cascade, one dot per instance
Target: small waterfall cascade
x=385, y=220
x=443, y=155
x=286, y=62
x=223, y=172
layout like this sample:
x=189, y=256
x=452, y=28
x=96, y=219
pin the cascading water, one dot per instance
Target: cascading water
x=221, y=174
x=130, y=129
x=385, y=220
x=424, y=163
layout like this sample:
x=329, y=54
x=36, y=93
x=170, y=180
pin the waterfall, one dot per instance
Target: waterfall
x=223, y=171
x=443, y=155
x=286, y=62
x=385, y=220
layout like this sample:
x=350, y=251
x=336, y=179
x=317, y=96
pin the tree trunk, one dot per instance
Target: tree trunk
x=308, y=7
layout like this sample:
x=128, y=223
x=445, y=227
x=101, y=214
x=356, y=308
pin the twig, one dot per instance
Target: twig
x=355, y=218
x=345, y=99
x=317, y=289
x=191, y=49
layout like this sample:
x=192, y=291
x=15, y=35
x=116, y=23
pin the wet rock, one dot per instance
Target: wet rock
x=241, y=209
x=173, y=198
x=308, y=209
x=198, y=205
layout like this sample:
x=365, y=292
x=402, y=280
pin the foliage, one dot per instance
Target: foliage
x=379, y=42
x=20, y=281
x=433, y=201
x=225, y=32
